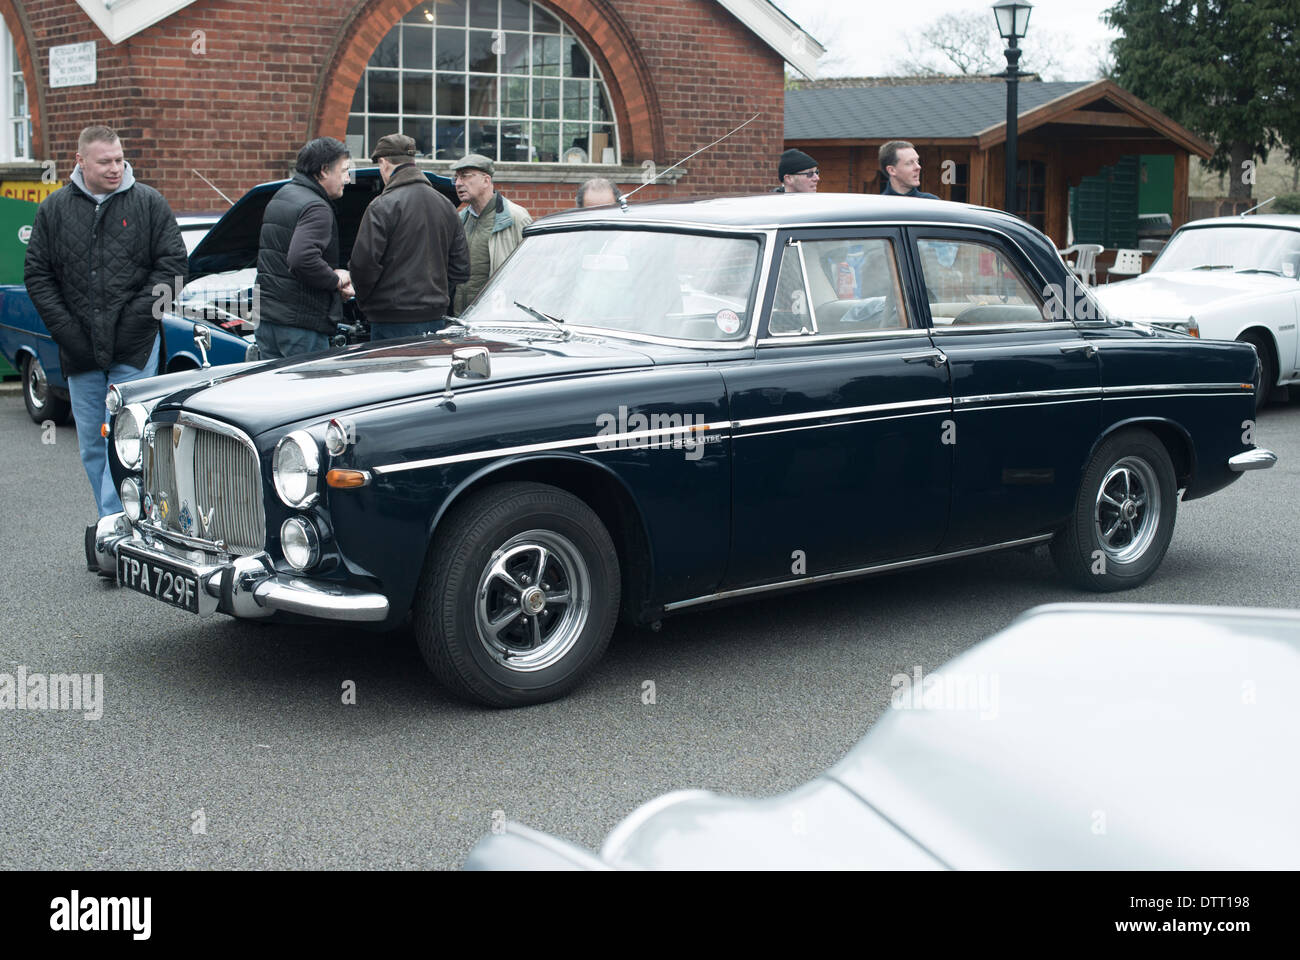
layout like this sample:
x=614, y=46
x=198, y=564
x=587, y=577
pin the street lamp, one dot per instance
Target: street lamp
x=1013, y=24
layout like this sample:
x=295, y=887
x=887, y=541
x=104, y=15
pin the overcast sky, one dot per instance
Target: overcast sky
x=866, y=38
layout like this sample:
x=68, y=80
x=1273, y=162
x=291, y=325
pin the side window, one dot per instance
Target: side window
x=790, y=306
x=970, y=283
x=853, y=285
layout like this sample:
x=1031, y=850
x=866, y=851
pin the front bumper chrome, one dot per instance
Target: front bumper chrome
x=245, y=587
x=1257, y=459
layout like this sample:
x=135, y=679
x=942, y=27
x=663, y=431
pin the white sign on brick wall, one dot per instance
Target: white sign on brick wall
x=72, y=64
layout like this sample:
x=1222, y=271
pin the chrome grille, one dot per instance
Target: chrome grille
x=160, y=475
x=209, y=474
x=227, y=483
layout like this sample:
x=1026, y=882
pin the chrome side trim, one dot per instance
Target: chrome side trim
x=1092, y=392
x=849, y=574
x=1179, y=387
x=842, y=423
x=840, y=412
x=1257, y=459
x=606, y=438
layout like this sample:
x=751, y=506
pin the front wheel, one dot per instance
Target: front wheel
x=41, y=403
x=1123, y=516
x=519, y=596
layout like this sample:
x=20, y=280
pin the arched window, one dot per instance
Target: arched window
x=503, y=78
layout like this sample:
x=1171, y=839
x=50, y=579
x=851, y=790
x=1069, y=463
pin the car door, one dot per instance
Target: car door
x=837, y=454
x=1026, y=386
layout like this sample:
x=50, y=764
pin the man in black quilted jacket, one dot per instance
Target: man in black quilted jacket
x=103, y=263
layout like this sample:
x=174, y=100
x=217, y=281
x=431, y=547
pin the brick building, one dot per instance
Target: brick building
x=555, y=90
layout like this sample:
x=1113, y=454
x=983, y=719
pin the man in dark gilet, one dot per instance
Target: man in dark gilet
x=298, y=279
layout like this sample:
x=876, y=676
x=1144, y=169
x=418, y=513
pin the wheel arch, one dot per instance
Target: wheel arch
x=1173, y=436
x=182, y=360
x=600, y=488
x=1270, y=341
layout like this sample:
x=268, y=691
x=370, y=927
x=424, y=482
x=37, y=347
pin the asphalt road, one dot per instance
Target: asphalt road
x=241, y=729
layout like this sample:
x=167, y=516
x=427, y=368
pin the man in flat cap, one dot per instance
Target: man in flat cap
x=493, y=225
x=410, y=249
x=797, y=172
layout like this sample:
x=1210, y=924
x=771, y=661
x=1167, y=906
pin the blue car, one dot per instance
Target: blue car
x=222, y=271
x=683, y=404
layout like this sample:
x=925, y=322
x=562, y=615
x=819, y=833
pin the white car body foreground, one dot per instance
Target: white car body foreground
x=1091, y=736
x=1231, y=278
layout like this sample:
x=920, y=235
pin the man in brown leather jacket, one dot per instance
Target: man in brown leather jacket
x=410, y=248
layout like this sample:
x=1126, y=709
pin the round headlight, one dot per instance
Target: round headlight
x=127, y=428
x=113, y=401
x=130, y=493
x=299, y=543
x=295, y=468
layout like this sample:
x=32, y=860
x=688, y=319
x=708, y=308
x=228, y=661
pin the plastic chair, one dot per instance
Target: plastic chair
x=1085, y=261
x=1128, y=263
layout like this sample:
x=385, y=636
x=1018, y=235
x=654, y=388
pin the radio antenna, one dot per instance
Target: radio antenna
x=212, y=185
x=622, y=201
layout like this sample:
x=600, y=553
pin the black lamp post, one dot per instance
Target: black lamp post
x=1013, y=24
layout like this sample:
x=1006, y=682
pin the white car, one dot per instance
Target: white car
x=1227, y=278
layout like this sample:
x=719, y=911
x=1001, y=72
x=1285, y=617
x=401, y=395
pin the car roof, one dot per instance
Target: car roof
x=1289, y=221
x=789, y=210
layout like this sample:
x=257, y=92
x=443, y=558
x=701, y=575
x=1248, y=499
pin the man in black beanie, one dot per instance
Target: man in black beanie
x=797, y=172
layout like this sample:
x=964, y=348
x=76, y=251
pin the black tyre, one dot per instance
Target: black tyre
x=1123, y=516
x=518, y=597
x=41, y=403
x=1267, y=366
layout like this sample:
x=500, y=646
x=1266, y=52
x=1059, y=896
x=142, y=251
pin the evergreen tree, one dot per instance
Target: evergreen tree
x=1226, y=69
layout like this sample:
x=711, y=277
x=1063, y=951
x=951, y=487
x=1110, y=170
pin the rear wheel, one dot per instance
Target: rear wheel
x=1267, y=366
x=519, y=596
x=1123, y=517
x=41, y=403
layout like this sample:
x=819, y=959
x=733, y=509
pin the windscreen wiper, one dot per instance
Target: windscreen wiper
x=1213, y=266
x=545, y=318
x=1276, y=273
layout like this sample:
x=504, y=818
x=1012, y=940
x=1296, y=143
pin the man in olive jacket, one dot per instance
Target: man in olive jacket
x=493, y=225
x=410, y=248
x=103, y=263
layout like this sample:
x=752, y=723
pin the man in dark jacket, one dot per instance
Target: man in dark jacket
x=900, y=162
x=298, y=279
x=103, y=263
x=410, y=248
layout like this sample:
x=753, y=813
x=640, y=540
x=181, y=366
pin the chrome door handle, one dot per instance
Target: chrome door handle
x=1087, y=349
x=936, y=358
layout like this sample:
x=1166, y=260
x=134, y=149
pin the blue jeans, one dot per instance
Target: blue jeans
x=275, y=341
x=87, y=392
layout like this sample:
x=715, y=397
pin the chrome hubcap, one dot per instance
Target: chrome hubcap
x=36, y=384
x=532, y=600
x=1127, y=509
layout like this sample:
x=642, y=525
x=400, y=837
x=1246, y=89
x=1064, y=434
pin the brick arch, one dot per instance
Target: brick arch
x=16, y=22
x=595, y=22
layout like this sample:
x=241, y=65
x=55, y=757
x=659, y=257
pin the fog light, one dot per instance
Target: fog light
x=300, y=543
x=131, y=498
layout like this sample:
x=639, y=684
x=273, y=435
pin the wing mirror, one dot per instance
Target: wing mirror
x=203, y=340
x=468, y=363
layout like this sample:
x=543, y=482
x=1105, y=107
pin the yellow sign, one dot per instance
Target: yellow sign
x=32, y=191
